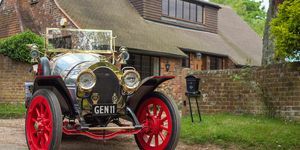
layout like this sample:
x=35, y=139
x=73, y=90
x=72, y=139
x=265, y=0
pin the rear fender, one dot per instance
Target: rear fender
x=57, y=85
x=147, y=86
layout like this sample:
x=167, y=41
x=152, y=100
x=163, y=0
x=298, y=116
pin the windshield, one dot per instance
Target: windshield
x=79, y=40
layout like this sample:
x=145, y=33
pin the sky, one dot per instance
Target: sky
x=266, y=4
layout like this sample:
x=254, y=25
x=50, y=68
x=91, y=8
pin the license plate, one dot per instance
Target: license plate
x=104, y=109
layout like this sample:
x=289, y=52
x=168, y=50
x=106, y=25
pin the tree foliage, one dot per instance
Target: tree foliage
x=251, y=12
x=16, y=48
x=285, y=28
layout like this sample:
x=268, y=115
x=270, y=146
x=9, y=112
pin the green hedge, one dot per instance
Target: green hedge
x=16, y=48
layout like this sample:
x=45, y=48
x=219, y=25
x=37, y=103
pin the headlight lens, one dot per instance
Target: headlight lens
x=86, y=80
x=131, y=79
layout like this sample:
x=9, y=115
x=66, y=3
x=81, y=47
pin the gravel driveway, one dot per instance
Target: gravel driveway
x=12, y=137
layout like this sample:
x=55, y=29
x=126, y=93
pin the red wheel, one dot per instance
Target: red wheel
x=43, y=121
x=161, y=123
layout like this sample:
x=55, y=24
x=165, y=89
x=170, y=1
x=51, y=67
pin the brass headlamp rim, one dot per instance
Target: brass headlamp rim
x=127, y=88
x=83, y=72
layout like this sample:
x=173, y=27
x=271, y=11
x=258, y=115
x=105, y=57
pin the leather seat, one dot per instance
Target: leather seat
x=44, y=61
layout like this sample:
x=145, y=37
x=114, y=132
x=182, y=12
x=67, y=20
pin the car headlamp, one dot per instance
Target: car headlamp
x=86, y=80
x=131, y=80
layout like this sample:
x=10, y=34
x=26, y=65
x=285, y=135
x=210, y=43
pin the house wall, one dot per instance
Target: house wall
x=138, y=5
x=211, y=19
x=172, y=87
x=175, y=88
x=13, y=74
x=152, y=10
x=9, y=18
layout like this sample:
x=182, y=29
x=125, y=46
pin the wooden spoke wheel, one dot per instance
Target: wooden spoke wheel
x=161, y=123
x=43, y=121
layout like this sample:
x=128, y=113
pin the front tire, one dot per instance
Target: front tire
x=43, y=124
x=161, y=123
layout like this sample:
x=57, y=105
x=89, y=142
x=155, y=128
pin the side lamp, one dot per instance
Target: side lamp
x=168, y=67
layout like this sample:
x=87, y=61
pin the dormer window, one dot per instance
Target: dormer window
x=182, y=10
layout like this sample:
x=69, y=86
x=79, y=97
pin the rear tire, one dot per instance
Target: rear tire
x=43, y=124
x=161, y=123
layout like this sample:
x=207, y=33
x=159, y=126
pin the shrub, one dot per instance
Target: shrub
x=16, y=48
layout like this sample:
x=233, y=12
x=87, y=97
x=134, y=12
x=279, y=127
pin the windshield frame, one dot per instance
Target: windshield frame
x=62, y=50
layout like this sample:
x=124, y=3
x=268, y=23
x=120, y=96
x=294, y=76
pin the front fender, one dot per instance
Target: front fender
x=57, y=85
x=147, y=86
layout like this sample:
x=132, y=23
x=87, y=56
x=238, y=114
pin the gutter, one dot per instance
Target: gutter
x=68, y=17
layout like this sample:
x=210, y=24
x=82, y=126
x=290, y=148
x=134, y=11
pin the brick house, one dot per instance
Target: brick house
x=163, y=36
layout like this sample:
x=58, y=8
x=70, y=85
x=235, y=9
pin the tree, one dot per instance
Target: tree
x=268, y=45
x=285, y=28
x=251, y=12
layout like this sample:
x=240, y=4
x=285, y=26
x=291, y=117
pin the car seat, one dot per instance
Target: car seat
x=45, y=66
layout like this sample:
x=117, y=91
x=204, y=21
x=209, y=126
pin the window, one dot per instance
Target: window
x=186, y=61
x=144, y=64
x=199, y=14
x=216, y=63
x=156, y=66
x=179, y=9
x=182, y=10
x=172, y=8
x=165, y=7
x=193, y=8
x=1, y=2
x=34, y=1
x=186, y=12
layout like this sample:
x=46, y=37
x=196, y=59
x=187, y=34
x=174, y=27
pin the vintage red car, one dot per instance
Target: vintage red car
x=79, y=89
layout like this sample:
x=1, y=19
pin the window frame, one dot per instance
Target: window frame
x=187, y=63
x=195, y=13
x=162, y=7
x=139, y=67
x=218, y=63
x=182, y=18
x=177, y=1
x=175, y=8
x=33, y=1
x=202, y=14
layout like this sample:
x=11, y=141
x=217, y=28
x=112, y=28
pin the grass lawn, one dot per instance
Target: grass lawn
x=9, y=110
x=244, y=132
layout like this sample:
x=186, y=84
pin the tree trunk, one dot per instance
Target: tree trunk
x=268, y=42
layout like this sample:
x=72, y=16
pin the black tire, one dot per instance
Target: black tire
x=55, y=110
x=172, y=107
